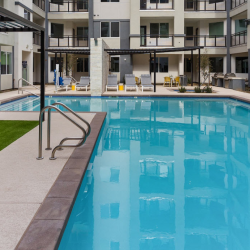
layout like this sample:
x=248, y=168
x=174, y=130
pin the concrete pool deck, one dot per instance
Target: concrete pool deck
x=25, y=181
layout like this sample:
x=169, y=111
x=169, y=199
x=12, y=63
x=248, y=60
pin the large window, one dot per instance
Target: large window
x=188, y=65
x=110, y=1
x=216, y=29
x=57, y=30
x=216, y=64
x=57, y=2
x=86, y=64
x=159, y=1
x=80, y=63
x=53, y=63
x=159, y=30
x=161, y=64
x=240, y=25
x=6, y=63
x=241, y=64
x=26, y=14
x=110, y=29
x=82, y=33
x=115, y=64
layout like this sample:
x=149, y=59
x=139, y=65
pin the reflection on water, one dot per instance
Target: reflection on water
x=166, y=174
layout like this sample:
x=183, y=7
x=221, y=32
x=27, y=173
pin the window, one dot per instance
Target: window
x=241, y=64
x=82, y=33
x=240, y=25
x=110, y=29
x=26, y=14
x=216, y=64
x=115, y=64
x=161, y=64
x=157, y=29
x=189, y=33
x=159, y=1
x=79, y=65
x=216, y=29
x=6, y=63
x=110, y=1
x=86, y=64
x=53, y=63
x=187, y=65
x=57, y=30
x=57, y=2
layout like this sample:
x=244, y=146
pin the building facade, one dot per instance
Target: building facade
x=220, y=26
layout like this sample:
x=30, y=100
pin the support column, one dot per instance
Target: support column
x=60, y=64
x=46, y=41
x=154, y=71
x=150, y=60
x=67, y=64
x=199, y=68
x=248, y=68
x=228, y=39
x=42, y=87
x=192, y=67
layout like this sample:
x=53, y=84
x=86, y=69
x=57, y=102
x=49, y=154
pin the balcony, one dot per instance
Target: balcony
x=156, y=40
x=36, y=39
x=68, y=6
x=40, y=4
x=236, y=3
x=146, y=5
x=239, y=38
x=68, y=41
x=211, y=5
x=205, y=40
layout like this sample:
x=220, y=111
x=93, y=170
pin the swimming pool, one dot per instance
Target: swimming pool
x=166, y=173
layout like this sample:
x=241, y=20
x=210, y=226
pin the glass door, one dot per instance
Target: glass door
x=143, y=34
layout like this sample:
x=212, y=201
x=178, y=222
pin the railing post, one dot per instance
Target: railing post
x=48, y=130
x=68, y=41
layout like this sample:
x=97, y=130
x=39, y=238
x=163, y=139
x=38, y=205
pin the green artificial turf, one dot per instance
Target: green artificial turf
x=10, y=131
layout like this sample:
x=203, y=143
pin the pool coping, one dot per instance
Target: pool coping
x=47, y=226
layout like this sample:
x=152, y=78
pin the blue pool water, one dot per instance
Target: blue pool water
x=166, y=174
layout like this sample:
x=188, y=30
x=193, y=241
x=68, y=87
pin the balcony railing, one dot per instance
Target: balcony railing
x=68, y=6
x=36, y=38
x=40, y=4
x=239, y=38
x=68, y=41
x=205, y=40
x=236, y=3
x=156, y=40
x=211, y=5
x=146, y=5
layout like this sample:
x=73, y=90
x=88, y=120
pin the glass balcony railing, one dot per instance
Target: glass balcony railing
x=211, y=5
x=236, y=3
x=205, y=40
x=157, y=5
x=68, y=41
x=239, y=38
x=40, y=4
x=68, y=6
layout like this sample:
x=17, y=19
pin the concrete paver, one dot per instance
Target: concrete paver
x=25, y=181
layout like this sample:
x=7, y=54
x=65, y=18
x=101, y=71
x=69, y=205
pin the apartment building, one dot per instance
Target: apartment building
x=219, y=26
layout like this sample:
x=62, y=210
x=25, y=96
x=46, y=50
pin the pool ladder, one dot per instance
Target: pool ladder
x=61, y=145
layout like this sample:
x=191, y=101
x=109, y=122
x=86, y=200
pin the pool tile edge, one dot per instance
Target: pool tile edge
x=47, y=226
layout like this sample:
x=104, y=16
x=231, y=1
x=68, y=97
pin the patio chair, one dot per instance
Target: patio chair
x=66, y=83
x=146, y=82
x=177, y=81
x=167, y=81
x=84, y=83
x=112, y=82
x=130, y=82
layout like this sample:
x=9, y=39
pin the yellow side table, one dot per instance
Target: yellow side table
x=121, y=87
x=73, y=87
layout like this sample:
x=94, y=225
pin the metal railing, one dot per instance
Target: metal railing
x=146, y=5
x=205, y=40
x=21, y=87
x=212, y=5
x=61, y=145
x=239, y=38
x=40, y=4
x=68, y=41
x=36, y=38
x=68, y=6
x=149, y=40
x=236, y=3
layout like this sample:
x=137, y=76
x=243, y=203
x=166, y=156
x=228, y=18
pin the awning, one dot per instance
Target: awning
x=70, y=51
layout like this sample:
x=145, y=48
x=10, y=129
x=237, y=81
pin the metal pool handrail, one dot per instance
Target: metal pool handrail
x=65, y=139
x=21, y=79
x=82, y=139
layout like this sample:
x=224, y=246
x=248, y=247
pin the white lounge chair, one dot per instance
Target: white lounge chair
x=146, y=82
x=130, y=82
x=66, y=83
x=84, y=83
x=112, y=82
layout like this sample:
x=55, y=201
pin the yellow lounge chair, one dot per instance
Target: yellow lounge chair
x=167, y=80
x=177, y=81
